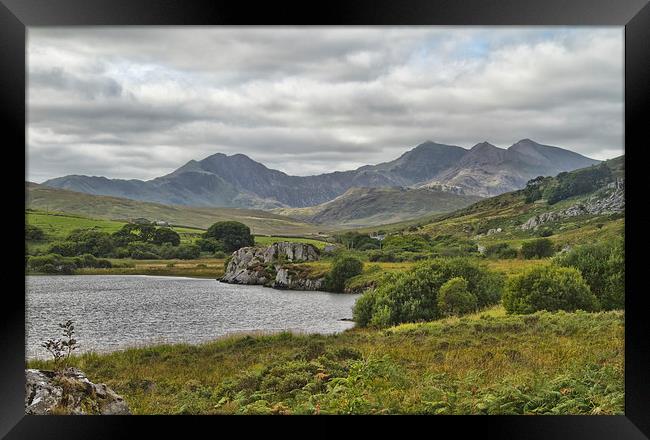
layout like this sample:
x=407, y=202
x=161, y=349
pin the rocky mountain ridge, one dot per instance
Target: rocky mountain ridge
x=239, y=181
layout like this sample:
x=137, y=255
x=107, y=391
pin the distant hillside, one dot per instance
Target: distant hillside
x=586, y=217
x=376, y=206
x=239, y=181
x=113, y=208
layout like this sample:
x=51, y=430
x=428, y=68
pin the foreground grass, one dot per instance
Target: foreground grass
x=487, y=363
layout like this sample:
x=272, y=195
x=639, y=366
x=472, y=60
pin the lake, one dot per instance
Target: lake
x=114, y=312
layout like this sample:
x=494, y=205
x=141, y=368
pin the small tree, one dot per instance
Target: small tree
x=62, y=348
x=454, y=298
x=166, y=235
x=342, y=270
x=233, y=235
x=548, y=288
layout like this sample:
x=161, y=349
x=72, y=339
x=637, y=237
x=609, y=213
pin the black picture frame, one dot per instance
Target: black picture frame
x=16, y=15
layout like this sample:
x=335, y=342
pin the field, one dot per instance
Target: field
x=486, y=363
x=43, y=198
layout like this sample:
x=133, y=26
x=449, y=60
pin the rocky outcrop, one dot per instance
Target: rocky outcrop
x=69, y=392
x=268, y=266
x=609, y=200
x=285, y=278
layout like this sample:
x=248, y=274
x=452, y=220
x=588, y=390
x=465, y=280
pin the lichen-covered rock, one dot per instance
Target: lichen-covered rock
x=69, y=392
x=284, y=279
x=264, y=266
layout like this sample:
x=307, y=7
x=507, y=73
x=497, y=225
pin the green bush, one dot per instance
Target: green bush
x=34, y=233
x=549, y=288
x=209, y=245
x=188, y=252
x=602, y=266
x=500, y=250
x=166, y=235
x=538, y=248
x=545, y=232
x=412, y=296
x=454, y=298
x=59, y=264
x=342, y=270
x=143, y=251
x=233, y=235
x=577, y=182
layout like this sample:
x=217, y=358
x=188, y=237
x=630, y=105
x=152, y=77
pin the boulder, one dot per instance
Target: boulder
x=265, y=266
x=69, y=392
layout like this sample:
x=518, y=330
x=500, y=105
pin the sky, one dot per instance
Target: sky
x=139, y=102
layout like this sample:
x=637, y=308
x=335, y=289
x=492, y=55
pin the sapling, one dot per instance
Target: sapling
x=62, y=348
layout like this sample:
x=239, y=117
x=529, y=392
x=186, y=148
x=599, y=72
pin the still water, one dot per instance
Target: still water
x=114, y=312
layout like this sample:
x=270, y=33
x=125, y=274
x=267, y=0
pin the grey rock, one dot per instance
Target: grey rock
x=264, y=266
x=45, y=393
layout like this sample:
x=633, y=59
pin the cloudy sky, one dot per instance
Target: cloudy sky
x=137, y=102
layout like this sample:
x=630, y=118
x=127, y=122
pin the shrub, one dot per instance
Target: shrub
x=219, y=254
x=87, y=241
x=413, y=295
x=454, y=298
x=500, y=250
x=166, y=235
x=539, y=248
x=602, y=266
x=233, y=235
x=342, y=270
x=53, y=263
x=64, y=248
x=33, y=233
x=143, y=251
x=546, y=232
x=549, y=288
x=385, y=256
x=209, y=245
x=188, y=252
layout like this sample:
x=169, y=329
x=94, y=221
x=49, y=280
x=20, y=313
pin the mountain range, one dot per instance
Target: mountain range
x=238, y=181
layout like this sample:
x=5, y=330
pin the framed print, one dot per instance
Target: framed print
x=426, y=209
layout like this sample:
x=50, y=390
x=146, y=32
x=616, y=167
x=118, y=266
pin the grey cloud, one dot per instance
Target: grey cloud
x=139, y=102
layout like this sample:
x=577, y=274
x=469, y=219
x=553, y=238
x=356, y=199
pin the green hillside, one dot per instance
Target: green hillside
x=118, y=209
x=360, y=207
x=481, y=221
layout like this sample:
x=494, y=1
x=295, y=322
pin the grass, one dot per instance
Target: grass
x=199, y=268
x=43, y=198
x=486, y=363
x=266, y=240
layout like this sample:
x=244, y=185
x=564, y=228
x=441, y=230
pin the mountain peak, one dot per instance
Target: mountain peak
x=485, y=145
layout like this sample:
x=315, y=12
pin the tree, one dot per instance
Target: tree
x=132, y=232
x=233, y=235
x=342, y=270
x=166, y=235
x=549, y=288
x=454, y=298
